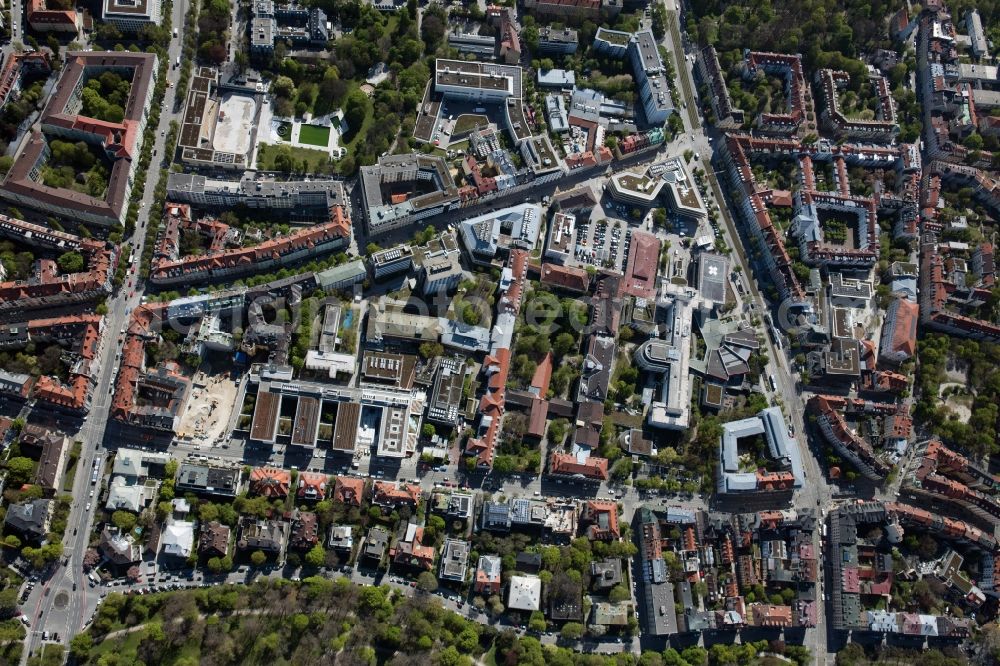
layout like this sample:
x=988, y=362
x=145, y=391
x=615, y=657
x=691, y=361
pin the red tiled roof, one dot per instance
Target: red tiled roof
x=349, y=490
x=40, y=17
x=84, y=329
x=312, y=484
x=110, y=209
x=271, y=482
x=133, y=361
x=767, y=615
x=413, y=553
x=543, y=373
x=164, y=271
x=492, y=404
x=496, y=366
x=792, y=64
x=538, y=417
x=643, y=261
x=388, y=493
x=592, y=514
x=178, y=218
x=782, y=197
x=12, y=70
x=774, y=480
x=486, y=582
x=584, y=159
x=569, y=278
x=904, y=332
x=518, y=264
x=100, y=260
x=305, y=530
x=564, y=464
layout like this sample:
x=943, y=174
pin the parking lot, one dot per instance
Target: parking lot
x=602, y=241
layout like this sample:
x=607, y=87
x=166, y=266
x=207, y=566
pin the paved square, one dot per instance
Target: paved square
x=235, y=124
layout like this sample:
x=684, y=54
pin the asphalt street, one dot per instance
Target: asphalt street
x=816, y=493
x=64, y=602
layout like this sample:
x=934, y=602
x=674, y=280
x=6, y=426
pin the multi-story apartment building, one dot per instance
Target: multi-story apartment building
x=753, y=211
x=882, y=128
x=859, y=246
x=391, y=261
x=121, y=142
x=296, y=24
x=789, y=67
x=284, y=250
x=557, y=41
x=16, y=66
x=709, y=71
x=978, y=43
x=647, y=66
x=471, y=43
x=899, y=332
x=560, y=246
x=831, y=423
x=255, y=193
x=440, y=270
x=579, y=9
x=43, y=19
x=611, y=42
x=48, y=287
x=650, y=75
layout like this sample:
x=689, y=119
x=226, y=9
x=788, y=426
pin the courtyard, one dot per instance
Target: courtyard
x=306, y=133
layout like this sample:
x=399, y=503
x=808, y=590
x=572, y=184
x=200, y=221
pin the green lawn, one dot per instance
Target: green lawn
x=267, y=155
x=70, y=474
x=126, y=644
x=356, y=134
x=314, y=135
x=285, y=131
x=53, y=654
x=467, y=121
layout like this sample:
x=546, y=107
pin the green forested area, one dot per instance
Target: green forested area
x=75, y=166
x=828, y=34
x=370, y=37
x=320, y=621
x=810, y=27
x=105, y=96
x=980, y=363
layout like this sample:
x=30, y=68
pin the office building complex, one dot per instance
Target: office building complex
x=476, y=81
x=130, y=16
x=402, y=189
